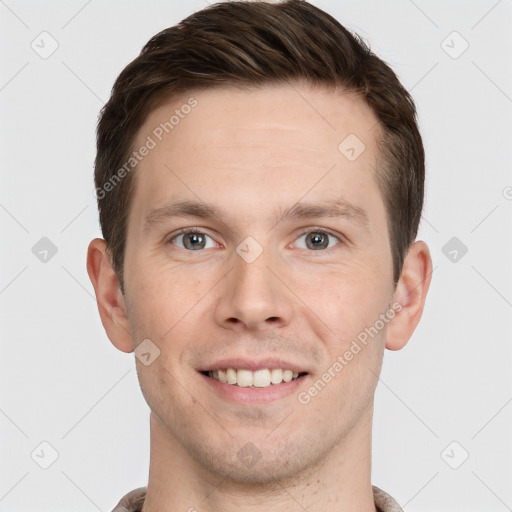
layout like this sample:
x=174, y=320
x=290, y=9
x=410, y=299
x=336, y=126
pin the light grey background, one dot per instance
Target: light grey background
x=63, y=383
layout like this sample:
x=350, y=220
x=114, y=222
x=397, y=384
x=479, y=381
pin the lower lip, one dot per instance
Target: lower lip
x=250, y=395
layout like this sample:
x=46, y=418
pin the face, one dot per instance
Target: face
x=269, y=251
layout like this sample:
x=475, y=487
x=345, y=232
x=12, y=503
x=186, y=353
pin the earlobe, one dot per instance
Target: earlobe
x=411, y=291
x=111, y=303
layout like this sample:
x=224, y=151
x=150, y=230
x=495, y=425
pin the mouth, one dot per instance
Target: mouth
x=260, y=378
x=252, y=381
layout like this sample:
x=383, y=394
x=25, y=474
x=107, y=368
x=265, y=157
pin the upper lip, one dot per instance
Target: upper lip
x=254, y=364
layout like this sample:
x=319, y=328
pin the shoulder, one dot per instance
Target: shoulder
x=131, y=502
x=384, y=502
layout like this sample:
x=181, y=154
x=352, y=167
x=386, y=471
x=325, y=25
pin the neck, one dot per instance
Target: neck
x=340, y=482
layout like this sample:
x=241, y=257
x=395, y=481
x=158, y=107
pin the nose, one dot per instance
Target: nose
x=253, y=296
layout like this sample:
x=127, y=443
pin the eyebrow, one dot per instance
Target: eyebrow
x=339, y=208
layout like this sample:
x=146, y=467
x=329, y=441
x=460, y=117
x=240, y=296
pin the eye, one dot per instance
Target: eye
x=193, y=240
x=317, y=240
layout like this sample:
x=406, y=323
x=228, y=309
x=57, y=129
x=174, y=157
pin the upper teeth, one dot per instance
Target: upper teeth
x=259, y=378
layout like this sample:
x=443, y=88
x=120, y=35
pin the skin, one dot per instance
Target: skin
x=252, y=154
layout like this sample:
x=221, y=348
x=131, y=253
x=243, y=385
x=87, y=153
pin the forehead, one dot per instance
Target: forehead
x=292, y=110
x=225, y=142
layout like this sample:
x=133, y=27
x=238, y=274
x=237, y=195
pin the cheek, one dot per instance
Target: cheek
x=160, y=386
x=347, y=301
x=164, y=298
x=350, y=307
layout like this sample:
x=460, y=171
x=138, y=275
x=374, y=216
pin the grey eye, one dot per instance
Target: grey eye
x=194, y=241
x=316, y=240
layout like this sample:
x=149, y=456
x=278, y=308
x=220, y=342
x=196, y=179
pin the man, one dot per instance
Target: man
x=260, y=180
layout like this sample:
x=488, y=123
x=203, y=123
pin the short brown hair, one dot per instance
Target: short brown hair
x=240, y=43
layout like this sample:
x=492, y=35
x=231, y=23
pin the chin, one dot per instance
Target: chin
x=251, y=466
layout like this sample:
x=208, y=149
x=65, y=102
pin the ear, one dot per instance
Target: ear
x=111, y=304
x=410, y=292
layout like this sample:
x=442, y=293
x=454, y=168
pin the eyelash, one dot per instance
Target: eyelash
x=186, y=231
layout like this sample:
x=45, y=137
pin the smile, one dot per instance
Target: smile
x=257, y=379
